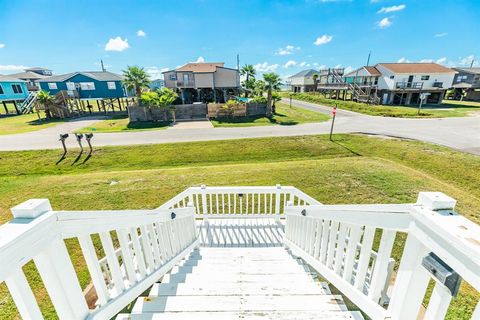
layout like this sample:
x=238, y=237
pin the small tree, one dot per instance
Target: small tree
x=248, y=71
x=166, y=97
x=45, y=99
x=272, y=83
x=136, y=78
x=315, y=77
x=276, y=97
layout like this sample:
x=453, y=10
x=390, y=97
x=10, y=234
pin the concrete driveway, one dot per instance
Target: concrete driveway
x=459, y=133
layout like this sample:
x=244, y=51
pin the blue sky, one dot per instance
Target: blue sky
x=281, y=36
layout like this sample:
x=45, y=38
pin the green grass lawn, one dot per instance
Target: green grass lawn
x=447, y=109
x=352, y=169
x=121, y=123
x=284, y=116
x=25, y=123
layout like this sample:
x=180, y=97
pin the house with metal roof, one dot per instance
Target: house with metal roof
x=85, y=85
x=204, y=82
x=32, y=76
x=467, y=84
x=303, y=81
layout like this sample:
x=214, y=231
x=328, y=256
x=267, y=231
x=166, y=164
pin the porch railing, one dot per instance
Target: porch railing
x=139, y=245
x=240, y=201
x=441, y=245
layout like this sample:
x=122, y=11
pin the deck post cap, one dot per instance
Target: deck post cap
x=279, y=186
x=31, y=209
x=203, y=186
x=436, y=201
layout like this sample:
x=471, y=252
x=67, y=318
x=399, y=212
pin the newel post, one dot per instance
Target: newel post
x=412, y=278
x=55, y=267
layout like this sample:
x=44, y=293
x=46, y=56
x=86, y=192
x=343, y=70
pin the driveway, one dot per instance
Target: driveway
x=459, y=133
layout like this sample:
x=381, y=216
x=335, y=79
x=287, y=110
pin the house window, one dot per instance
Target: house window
x=1, y=90
x=425, y=78
x=52, y=86
x=17, y=88
x=111, y=86
x=173, y=77
x=87, y=86
x=392, y=77
x=376, y=81
x=462, y=78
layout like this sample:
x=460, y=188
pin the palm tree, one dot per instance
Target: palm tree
x=259, y=88
x=248, y=71
x=45, y=99
x=135, y=78
x=315, y=77
x=272, y=83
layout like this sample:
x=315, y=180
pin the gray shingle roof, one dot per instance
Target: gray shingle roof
x=27, y=75
x=96, y=75
x=9, y=79
x=305, y=73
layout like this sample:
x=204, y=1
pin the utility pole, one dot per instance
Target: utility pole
x=368, y=59
x=238, y=62
x=103, y=68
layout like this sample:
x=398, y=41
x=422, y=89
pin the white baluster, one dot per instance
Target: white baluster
x=331, y=243
x=91, y=259
x=340, y=252
x=324, y=243
x=355, y=234
x=22, y=295
x=61, y=281
x=364, y=260
x=137, y=249
x=380, y=270
x=127, y=255
x=112, y=259
x=439, y=302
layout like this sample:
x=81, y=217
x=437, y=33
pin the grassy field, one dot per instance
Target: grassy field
x=352, y=169
x=25, y=123
x=284, y=115
x=447, y=109
x=121, y=123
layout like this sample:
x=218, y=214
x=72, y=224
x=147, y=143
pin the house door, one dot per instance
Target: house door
x=410, y=81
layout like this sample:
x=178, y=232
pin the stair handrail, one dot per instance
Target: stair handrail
x=150, y=242
x=442, y=245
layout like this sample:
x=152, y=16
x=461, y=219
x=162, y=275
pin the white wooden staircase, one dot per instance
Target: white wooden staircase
x=244, y=253
x=240, y=283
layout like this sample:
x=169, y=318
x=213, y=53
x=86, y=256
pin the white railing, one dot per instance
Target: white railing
x=140, y=246
x=224, y=202
x=338, y=240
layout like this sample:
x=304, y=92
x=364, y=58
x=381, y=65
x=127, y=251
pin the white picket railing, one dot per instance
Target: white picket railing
x=224, y=202
x=337, y=241
x=140, y=246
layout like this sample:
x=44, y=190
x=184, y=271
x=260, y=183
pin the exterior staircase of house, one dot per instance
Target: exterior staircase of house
x=28, y=104
x=244, y=253
x=240, y=283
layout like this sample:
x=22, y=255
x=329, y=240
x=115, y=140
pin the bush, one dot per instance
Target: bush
x=260, y=99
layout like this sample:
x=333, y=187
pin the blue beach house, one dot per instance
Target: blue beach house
x=12, y=89
x=88, y=85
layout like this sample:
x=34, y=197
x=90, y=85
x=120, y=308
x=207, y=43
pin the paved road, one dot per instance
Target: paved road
x=458, y=133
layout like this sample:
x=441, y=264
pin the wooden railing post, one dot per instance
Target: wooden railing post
x=204, y=199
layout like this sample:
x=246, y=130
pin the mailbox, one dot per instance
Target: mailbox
x=442, y=272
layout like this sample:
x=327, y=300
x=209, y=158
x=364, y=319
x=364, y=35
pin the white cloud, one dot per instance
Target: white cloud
x=323, y=40
x=200, y=60
x=441, y=34
x=290, y=63
x=442, y=60
x=12, y=67
x=466, y=61
x=2, y=45
x=265, y=67
x=304, y=64
x=403, y=60
x=289, y=49
x=426, y=61
x=116, y=44
x=141, y=33
x=392, y=9
x=384, y=23
x=155, y=72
